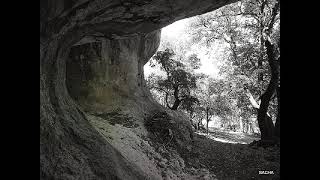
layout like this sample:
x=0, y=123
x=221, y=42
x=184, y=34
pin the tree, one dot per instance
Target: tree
x=179, y=81
x=205, y=96
x=213, y=100
x=268, y=132
x=244, y=27
x=199, y=115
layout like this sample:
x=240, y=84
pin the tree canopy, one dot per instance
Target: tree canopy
x=179, y=81
x=248, y=84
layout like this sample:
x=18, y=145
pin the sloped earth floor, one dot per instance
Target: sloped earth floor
x=226, y=155
x=229, y=156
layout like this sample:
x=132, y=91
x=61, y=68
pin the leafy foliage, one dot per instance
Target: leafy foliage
x=244, y=74
x=179, y=81
x=243, y=27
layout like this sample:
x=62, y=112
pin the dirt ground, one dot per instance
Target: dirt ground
x=229, y=156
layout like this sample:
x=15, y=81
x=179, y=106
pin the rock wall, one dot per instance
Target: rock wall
x=109, y=72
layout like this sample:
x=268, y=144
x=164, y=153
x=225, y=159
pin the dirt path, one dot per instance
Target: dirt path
x=229, y=136
x=233, y=161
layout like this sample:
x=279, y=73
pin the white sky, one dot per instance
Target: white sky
x=177, y=31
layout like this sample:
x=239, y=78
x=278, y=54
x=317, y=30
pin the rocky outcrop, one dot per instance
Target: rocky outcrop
x=105, y=73
x=71, y=147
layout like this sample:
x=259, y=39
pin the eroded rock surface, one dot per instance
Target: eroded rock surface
x=107, y=73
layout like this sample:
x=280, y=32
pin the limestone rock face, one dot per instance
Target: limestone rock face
x=107, y=72
x=120, y=37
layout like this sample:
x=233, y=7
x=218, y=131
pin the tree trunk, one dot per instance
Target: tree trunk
x=265, y=122
x=191, y=118
x=252, y=129
x=243, y=127
x=166, y=100
x=177, y=101
x=260, y=60
x=175, y=105
x=207, y=117
x=277, y=124
x=199, y=123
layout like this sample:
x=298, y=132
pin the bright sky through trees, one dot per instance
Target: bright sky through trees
x=178, y=32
